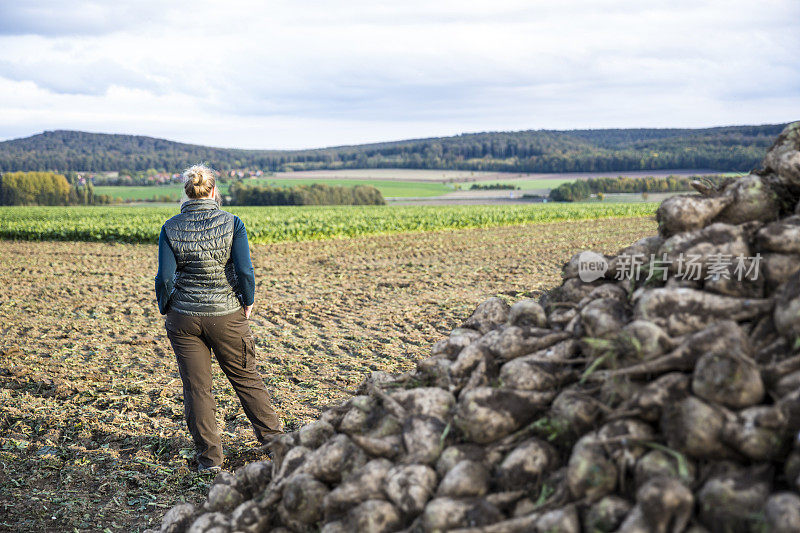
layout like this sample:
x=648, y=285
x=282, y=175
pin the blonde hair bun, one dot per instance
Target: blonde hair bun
x=200, y=181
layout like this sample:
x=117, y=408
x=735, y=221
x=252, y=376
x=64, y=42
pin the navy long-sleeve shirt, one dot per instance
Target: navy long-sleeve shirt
x=240, y=253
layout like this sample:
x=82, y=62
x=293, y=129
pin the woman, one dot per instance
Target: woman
x=205, y=286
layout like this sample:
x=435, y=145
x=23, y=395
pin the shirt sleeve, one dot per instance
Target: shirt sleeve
x=165, y=277
x=242, y=263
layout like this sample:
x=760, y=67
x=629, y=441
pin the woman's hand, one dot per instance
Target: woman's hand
x=247, y=310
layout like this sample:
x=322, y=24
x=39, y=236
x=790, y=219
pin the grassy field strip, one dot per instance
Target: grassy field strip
x=277, y=224
x=524, y=184
x=137, y=192
x=389, y=188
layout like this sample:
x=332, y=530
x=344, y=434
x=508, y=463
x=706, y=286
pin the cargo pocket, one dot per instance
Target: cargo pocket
x=248, y=351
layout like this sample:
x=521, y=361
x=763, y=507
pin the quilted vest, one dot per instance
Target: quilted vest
x=201, y=237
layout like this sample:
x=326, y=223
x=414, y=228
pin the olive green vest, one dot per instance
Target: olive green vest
x=201, y=237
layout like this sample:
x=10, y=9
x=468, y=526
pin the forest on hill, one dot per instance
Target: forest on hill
x=580, y=190
x=731, y=148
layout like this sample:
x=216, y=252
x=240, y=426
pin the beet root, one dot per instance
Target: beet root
x=373, y=516
x=488, y=315
x=607, y=514
x=783, y=157
x=527, y=312
x=695, y=428
x=442, y=514
x=782, y=512
x=730, y=378
x=578, y=411
x=534, y=375
x=526, y=466
x=758, y=433
x=682, y=311
x=303, y=500
x=590, y=473
x=753, y=198
x=787, y=307
x=732, y=501
x=687, y=212
x=641, y=340
x=664, y=463
x=648, y=403
x=365, y=483
x=486, y=414
x=335, y=459
x=720, y=338
x=423, y=438
x=465, y=479
x=410, y=487
x=666, y=505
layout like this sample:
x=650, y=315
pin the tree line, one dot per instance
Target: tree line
x=46, y=188
x=734, y=148
x=582, y=189
x=313, y=194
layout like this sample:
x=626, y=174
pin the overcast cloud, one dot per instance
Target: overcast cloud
x=311, y=73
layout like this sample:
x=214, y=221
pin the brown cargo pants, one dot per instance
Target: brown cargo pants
x=193, y=339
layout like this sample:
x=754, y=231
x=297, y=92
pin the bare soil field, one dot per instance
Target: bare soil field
x=511, y=197
x=92, y=435
x=478, y=199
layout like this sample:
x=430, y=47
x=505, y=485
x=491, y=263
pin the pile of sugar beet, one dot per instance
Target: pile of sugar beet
x=628, y=405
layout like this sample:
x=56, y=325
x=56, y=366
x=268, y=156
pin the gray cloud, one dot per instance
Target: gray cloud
x=58, y=18
x=85, y=78
x=363, y=66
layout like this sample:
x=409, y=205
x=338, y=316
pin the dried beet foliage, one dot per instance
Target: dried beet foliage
x=630, y=405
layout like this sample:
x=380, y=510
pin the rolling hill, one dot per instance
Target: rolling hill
x=731, y=148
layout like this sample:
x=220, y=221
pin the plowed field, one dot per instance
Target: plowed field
x=92, y=434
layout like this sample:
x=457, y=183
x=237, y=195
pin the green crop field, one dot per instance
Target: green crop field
x=139, y=192
x=388, y=188
x=275, y=224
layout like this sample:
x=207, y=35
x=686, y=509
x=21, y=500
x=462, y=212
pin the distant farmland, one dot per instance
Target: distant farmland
x=398, y=183
x=389, y=188
x=525, y=184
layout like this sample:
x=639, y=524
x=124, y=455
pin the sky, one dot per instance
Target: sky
x=314, y=73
